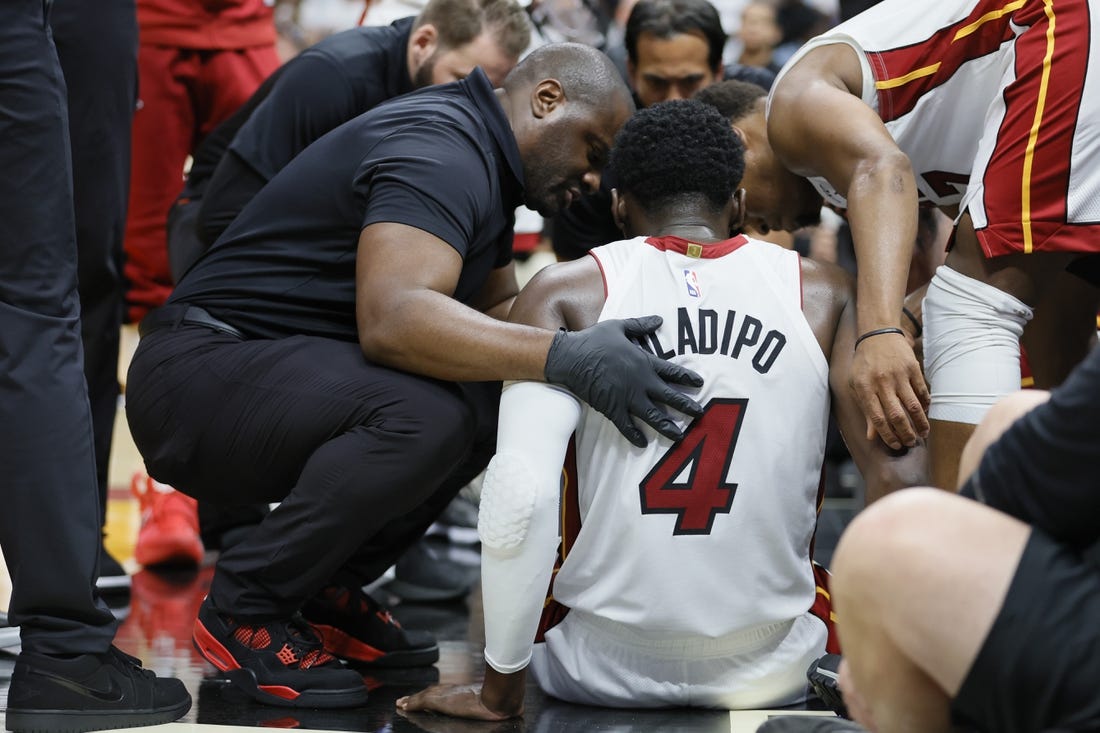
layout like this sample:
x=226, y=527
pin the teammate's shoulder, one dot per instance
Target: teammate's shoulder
x=824, y=283
x=559, y=278
x=827, y=275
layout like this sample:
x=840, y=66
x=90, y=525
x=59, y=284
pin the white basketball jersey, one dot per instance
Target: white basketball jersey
x=709, y=536
x=934, y=78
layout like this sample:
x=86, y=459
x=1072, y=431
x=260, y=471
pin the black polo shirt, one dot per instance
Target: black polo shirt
x=326, y=85
x=442, y=159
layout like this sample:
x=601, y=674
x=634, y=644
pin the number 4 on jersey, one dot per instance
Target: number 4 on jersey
x=705, y=452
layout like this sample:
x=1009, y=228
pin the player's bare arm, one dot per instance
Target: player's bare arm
x=818, y=126
x=498, y=294
x=566, y=295
x=829, y=306
x=407, y=319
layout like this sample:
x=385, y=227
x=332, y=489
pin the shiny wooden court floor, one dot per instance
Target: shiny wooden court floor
x=157, y=629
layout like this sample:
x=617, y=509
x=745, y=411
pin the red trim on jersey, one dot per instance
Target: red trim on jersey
x=823, y=608
x=912, y=71
x=818, y=504
x=603, y=275
x=552, y=611
x=1027, y=179
x=706, y=251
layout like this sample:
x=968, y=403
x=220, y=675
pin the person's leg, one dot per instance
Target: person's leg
x=97, y=47
x=918, y=579
x=50, y=524
x=162, y=140
x=347, y=447
x=996, y=421
x=380, y=552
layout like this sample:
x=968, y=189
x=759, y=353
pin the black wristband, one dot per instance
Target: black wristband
x=913, y=319
x=877, y=332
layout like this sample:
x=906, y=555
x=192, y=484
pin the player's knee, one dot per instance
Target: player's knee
x=874, y=550
x=440, y=433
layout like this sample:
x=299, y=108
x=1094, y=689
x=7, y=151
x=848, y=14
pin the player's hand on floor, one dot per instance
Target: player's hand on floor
x=891, y=391
x=460, y=701
x=608, y=371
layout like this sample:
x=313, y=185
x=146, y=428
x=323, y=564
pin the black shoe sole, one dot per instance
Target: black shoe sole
x=398, y=660
x=361, y=654
x=78, y=721
x=245, y=681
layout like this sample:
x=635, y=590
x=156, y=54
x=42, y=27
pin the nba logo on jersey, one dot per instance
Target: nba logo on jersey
x=692, y=282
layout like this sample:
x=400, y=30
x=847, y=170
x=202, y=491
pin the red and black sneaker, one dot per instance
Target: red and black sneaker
x=277, y=662
x=356, y=627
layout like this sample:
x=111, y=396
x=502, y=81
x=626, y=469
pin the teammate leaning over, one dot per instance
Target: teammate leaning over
x=689, y=581
x=980, y=107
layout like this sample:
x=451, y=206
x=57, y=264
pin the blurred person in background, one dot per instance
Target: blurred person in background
x=198, y=61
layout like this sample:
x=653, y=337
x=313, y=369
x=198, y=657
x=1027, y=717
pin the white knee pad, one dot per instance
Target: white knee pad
x=508, y=497
x=971, y=345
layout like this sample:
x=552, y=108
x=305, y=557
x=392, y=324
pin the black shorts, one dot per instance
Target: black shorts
x=1039, y=668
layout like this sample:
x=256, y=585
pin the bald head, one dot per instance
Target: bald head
x=586, y=75
x=565, y=102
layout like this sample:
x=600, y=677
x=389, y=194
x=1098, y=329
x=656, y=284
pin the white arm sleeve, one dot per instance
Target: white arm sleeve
x=535, y=424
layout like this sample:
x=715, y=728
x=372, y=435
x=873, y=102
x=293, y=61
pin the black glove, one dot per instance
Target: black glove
x=614, y=375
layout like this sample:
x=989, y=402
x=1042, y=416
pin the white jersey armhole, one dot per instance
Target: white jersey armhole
x=868, y=92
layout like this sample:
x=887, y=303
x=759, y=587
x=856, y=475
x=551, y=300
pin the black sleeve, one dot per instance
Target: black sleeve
x=232, y=186
x=586, y=224
x=1045, y=469
x=311, y=97
x=214, y=146
x=444, y=188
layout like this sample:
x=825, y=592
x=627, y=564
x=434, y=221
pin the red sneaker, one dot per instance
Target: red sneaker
x=169, y=531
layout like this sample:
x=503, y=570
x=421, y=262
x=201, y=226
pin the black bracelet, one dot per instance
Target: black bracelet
x=877, y=332
x=912, y=319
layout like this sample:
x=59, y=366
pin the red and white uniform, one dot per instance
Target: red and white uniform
x=996, y=105
x=690, y=581
x=198, y=61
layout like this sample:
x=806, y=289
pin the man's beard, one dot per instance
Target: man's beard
x=423, y=76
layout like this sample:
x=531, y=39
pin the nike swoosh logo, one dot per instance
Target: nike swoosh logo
x=113, y=693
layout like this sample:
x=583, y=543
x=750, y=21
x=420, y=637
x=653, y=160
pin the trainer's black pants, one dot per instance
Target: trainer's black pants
x=97, y=46
x=49, y=521
x=361, y=457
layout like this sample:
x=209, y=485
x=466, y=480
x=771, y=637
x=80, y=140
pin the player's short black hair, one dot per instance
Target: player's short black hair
x=677, y=151
x=734, y=99
x=667, y=18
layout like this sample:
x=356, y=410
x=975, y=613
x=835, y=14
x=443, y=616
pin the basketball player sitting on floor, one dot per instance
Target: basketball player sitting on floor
x=689, y=581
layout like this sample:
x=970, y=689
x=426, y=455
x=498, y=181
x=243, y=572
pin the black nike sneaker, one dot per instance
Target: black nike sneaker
x=824, y=677
x=89, y=692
